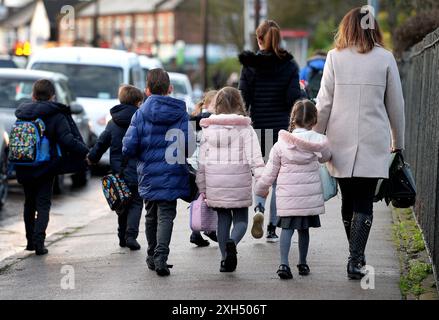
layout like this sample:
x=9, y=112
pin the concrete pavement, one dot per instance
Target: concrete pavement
x=102, y=270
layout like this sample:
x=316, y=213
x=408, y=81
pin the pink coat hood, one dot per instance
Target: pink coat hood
x=229, y=155
x=294, y=163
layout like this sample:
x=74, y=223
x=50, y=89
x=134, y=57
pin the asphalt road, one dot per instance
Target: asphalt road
x=88, y=253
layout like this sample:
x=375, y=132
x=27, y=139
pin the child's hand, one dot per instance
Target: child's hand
x=89, y=161
x=203, y=195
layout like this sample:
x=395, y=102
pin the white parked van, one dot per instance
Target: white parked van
x=182, y=89
x=94, y=76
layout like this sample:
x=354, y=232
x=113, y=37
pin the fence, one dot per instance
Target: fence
x=420, y=78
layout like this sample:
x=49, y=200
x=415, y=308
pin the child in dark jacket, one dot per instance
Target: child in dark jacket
x=128, y=218
x=159, y=138
x=38, y=181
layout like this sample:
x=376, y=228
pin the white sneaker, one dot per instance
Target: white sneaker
x=258, y=223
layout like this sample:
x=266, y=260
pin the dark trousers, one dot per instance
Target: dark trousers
x=160, y=217
x=129, y=217
x=357, y=196
x=37, y=203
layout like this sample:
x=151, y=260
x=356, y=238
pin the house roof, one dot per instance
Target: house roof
x=23, y=16
x=116, y=7
x=20, y=17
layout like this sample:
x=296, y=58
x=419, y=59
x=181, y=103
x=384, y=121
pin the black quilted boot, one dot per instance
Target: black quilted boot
x=347, y=226
x=360, y=230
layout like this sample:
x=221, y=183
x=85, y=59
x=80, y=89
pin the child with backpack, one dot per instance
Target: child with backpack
x=230, y=153
x=294, y=162
x=129, y=217
x=203, y=110
x=158, y=138
x=49, y=127
x=312, y=74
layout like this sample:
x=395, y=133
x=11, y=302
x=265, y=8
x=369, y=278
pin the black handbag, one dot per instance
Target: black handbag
x=400, y=188
x=193, y=188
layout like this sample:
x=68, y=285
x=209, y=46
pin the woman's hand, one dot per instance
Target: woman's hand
x=396, y=150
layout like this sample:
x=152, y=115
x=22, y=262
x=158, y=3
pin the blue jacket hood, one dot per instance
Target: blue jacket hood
x=318, y=64
x=163, y=109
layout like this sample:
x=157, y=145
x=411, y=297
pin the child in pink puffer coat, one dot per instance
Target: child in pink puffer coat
x=295, y=162
x=230, y=155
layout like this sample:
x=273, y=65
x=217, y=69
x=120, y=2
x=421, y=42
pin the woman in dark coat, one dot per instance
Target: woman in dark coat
x=270, y=87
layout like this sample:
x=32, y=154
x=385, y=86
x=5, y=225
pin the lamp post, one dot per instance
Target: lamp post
x=257, y=20
x=205, y=33
x=374, y=4
x=96, y=24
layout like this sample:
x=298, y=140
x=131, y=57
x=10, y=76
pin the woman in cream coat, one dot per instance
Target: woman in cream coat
x=361, y=110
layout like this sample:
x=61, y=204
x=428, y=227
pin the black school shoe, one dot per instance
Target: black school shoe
x=164, y=271
x=41, y=250
x=133, y=244
x=284, y=272
x=30, y=246
x=212, y=236
x=231, y=256
x=198, y=240
x=303, y=269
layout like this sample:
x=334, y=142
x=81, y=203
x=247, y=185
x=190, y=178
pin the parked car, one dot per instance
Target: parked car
x=182, y=89
x=7, y=62
x=4, y=141
x=16, y=88
x=94, y=75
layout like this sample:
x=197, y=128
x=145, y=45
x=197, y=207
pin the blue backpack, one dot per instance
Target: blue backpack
x=28, y=146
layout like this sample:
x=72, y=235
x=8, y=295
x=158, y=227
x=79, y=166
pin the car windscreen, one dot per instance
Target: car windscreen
x=88, y=81
x=14, y=92
x=179, y=87
x=7, y=64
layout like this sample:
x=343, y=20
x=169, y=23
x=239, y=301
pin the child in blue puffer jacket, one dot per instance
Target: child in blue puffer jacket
x=158, y=138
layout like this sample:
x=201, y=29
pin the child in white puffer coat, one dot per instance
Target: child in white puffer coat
x=295, y=162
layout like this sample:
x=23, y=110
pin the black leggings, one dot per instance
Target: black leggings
x=357, y=196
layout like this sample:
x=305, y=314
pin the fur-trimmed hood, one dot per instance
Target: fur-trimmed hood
x=295, y=142
x=222, y=130
x=263, y=58
x=226, y=120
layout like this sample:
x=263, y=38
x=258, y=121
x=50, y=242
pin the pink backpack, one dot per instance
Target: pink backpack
x=202, y=218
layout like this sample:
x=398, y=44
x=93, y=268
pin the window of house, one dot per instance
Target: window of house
x=150, y=37
x=140, y=28
x=171, y=28
x=162, y=25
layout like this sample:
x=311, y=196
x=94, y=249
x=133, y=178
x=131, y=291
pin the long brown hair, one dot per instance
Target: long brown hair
x=304, y=115
x=229, y=101
x=352, y=32
x=268, y=33
x=205, y=102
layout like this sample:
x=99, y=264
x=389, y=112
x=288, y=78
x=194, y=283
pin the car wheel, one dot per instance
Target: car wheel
x=81, y=179
x=3, y=178
x=58, y=186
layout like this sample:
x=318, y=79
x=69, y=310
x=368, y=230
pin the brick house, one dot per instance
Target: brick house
x=144, y=26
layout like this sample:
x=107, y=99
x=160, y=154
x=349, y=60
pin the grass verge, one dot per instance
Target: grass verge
x=417, y=280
